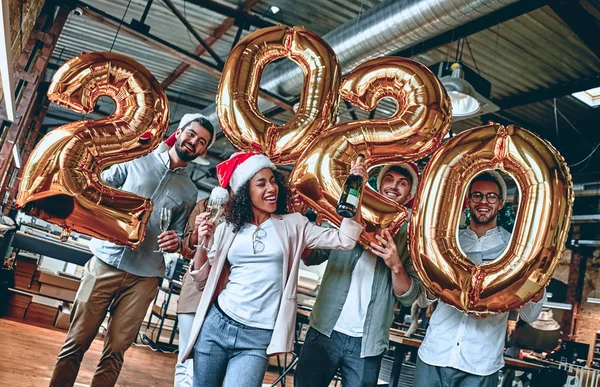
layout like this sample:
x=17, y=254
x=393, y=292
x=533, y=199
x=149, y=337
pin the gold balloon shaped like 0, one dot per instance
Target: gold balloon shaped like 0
x=540, y=231
x=421, y=121
x=61, y=181
x=237, y=97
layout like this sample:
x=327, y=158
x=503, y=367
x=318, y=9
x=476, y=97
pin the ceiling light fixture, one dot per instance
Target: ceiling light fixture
x=462, y=94
x=274, y=9
x=467, y=89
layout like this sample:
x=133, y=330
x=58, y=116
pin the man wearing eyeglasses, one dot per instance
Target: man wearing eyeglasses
x=467, y=350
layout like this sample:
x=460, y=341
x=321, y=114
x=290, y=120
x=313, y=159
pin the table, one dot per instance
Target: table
x=51, y=247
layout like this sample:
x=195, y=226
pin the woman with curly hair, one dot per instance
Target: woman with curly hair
x=249, y=277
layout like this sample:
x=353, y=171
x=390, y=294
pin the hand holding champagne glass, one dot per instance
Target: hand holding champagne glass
x=215, y=215
x=215, y=212
x=165, y=221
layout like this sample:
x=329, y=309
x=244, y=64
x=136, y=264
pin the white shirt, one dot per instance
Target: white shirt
x=496, y=238
x=354, y=312
x=253, y=293
x=467, y=342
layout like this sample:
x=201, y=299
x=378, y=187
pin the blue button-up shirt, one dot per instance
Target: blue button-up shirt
x=149, y=176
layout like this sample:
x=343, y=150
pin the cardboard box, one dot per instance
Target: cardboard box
x=63, y=318
x=16, y=312
x=23, y=280
x=20, y=300
x=25, y=267
x=34, y=287
x=56, y=292
x=50, y=278
x=42, y=311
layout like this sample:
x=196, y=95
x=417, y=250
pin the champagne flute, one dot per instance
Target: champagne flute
x=165, y=221
x=216, y=215
x=215, y=207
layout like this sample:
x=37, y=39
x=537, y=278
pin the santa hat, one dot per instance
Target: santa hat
x=240, y=168
x=185, y=121
x=411, y=169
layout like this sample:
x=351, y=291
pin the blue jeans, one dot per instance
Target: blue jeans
x=229, y=350
x=322, y=356
x=432, y=376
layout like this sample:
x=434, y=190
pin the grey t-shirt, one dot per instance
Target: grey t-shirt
x=148, y=176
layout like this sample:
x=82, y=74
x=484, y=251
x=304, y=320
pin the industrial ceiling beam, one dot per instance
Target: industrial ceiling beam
x=185, y=102
x=193, y=31
x=544, y=94
x=217, y=34
x=240, y=16
x=580, y=21
x=116, y=23
x=483, y=23
x=193, y=60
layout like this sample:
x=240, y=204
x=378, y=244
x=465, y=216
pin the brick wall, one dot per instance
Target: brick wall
x=588, y=318
x=23, y=14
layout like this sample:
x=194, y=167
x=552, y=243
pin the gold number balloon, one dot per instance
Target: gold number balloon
x=237, y=97
x=421, y=121
x=61, y=182
x=539, y=235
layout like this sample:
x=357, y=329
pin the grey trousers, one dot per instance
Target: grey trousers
x=432, y=376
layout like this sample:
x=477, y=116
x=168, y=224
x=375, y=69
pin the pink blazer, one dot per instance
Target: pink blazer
x=296, y=233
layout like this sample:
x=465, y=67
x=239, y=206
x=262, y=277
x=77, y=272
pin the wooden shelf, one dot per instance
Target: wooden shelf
x=28, y=293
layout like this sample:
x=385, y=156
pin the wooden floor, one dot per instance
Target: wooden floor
x=28, y=353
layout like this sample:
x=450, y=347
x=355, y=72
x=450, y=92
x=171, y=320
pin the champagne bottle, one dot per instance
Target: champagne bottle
x=351, y=192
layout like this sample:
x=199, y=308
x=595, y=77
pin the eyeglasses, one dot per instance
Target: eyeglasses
x=257, y=245
x=491, y=197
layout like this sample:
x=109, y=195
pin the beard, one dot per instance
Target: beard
x=182, y=153
x=484, y=219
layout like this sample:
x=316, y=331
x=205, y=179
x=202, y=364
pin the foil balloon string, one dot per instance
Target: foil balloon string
x=61, y=181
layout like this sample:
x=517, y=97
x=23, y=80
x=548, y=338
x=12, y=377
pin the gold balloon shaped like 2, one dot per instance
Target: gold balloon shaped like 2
x=237, y=96
x=540, y=231
x=421, y=121
x=61, y=181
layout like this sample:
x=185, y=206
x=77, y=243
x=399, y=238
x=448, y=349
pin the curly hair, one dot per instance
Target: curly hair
x=239, y=209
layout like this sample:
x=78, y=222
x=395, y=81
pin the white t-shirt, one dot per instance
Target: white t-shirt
x=354, y=312
x=253, y=294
